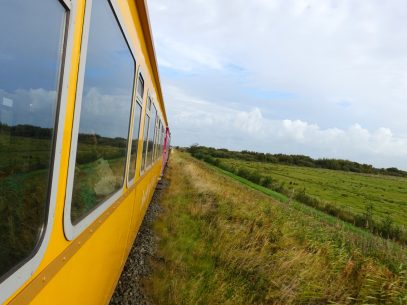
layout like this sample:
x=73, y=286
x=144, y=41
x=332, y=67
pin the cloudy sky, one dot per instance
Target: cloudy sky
x=316, y=77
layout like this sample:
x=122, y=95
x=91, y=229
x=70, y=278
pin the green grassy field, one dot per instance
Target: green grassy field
x=350, y=191
x=225, y=240
x=375, y=202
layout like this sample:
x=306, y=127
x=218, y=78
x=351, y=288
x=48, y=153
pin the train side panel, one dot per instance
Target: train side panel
x=85, y=270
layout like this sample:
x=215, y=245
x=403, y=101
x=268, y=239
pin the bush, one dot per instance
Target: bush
x=86, y=156
x=266, y=181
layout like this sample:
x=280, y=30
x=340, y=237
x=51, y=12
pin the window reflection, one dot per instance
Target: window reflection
x=104, y=118
x=134, y=142
x=145, y=142
x=162, y=140
x=30, y=60
x=140, y=87
x=151, y=133
x=157, y=139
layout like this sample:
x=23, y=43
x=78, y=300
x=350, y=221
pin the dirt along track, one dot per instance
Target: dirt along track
x=129, y=288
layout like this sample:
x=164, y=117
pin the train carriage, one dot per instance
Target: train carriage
x=84, y=139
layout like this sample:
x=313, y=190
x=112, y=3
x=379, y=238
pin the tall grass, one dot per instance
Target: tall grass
x=385, y=227
x=221, y=242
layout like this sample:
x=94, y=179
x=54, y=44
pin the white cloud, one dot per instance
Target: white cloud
x=344, y=64
x=32, y=106
x=98, y=110
x=187, y=58
x=219, y=126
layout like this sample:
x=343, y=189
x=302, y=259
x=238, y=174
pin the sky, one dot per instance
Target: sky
x=315, y=77
x=30, y=58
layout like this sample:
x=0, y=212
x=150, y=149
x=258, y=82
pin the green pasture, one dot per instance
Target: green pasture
x=350, y=191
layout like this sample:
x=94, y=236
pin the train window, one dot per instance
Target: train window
x=157, y=141
x=163, y=141
x=104, y=114
x=149, y=104
x=160, y=139
x=145, y=142
x=30, y=66
x=134, y=142
x=151, y=134
x=140, y=86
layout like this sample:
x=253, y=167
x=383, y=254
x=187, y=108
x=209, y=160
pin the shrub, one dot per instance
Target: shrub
x=266, y=181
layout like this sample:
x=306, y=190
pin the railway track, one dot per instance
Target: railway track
x=129, y=290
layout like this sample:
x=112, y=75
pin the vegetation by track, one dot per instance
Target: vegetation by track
x=225, y=240
x=374, y=202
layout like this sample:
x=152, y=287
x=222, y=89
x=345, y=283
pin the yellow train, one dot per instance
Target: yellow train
x=83, y=141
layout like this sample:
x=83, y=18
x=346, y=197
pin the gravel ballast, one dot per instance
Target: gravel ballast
x=129, y=290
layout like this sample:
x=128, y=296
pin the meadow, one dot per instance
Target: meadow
x=225, y=240
x=369, y=198
x=351, y=191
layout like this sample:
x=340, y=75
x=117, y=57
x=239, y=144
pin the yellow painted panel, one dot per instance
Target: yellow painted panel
x=90, y=275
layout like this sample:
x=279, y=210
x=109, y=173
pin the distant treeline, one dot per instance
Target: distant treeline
x=31, y=131
x=85, y=138
x=27, y=131
x=32, y=152
x=385, y=228
x=92, y=147
x=298, y=160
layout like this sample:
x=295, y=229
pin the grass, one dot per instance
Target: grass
x=349, y=191
x=370, y=214
x=225, y=240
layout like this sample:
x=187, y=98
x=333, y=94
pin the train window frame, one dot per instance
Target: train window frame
x=157, y=145
x=19, y=274
x=149, y=103
x=143, y=166
x=140, y=75
x=161, y=139
x=158, y=138
x=147, y=113
x=153, y=107
x=140, y=101
x=71, y=230
x=154, y=138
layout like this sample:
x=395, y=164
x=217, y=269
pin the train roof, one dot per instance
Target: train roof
x=148, y=36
